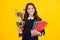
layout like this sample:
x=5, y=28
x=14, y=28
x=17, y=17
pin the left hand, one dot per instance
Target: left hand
x=34, y=32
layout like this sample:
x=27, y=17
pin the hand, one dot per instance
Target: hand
x=34, y=32
x=20, y=30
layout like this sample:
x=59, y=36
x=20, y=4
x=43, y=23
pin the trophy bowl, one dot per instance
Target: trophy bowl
x=20, y=23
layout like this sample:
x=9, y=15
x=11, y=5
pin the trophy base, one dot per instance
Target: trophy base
x=20, y=35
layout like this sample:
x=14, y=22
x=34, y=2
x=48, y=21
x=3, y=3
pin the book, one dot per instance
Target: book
x=35, y=24
x=39, y=26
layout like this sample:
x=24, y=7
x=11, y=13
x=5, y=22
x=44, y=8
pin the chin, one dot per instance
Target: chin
x=31, y=13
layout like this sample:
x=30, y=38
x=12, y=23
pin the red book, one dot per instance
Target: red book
x=41, y=25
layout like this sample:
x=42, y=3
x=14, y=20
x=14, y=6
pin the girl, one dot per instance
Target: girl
x=29, y=18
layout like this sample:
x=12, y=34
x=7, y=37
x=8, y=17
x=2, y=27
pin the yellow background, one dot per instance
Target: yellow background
x=48, y=10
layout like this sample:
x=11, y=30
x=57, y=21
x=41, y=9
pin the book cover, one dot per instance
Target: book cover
x=36, y=25
x=41, y=25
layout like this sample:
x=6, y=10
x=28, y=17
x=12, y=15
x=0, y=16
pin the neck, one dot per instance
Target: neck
x=30, y=16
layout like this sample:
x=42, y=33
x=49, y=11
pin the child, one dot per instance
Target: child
x=29, y=17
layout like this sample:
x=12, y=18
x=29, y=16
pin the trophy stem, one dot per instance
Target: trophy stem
x=19, y=19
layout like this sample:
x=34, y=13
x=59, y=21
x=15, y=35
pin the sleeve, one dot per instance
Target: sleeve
x=42, y=33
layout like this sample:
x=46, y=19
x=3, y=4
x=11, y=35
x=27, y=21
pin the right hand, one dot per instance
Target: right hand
x=19, y=30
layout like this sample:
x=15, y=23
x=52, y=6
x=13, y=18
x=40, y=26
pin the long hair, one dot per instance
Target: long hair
x=35, y=13
x=36, y=17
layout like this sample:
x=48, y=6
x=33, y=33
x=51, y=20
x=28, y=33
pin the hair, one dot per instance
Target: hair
x=35, y=13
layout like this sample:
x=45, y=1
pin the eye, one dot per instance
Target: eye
x=28, y=8
x=32, y=8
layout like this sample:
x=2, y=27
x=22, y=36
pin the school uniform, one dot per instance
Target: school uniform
x=28, y=28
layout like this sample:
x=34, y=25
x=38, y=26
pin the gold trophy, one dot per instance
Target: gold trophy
x=20, y=22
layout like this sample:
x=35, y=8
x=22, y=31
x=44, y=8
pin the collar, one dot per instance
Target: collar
x=30, y=18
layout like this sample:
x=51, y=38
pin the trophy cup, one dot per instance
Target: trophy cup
x=20, y=22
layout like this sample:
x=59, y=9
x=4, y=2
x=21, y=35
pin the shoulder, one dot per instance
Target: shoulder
x=39, y=19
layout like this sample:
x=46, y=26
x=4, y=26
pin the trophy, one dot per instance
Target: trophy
x=20, y=22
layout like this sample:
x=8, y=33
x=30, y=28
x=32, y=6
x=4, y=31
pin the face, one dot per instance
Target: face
x=30, y=10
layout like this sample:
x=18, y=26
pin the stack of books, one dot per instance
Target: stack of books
x=39, y=25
